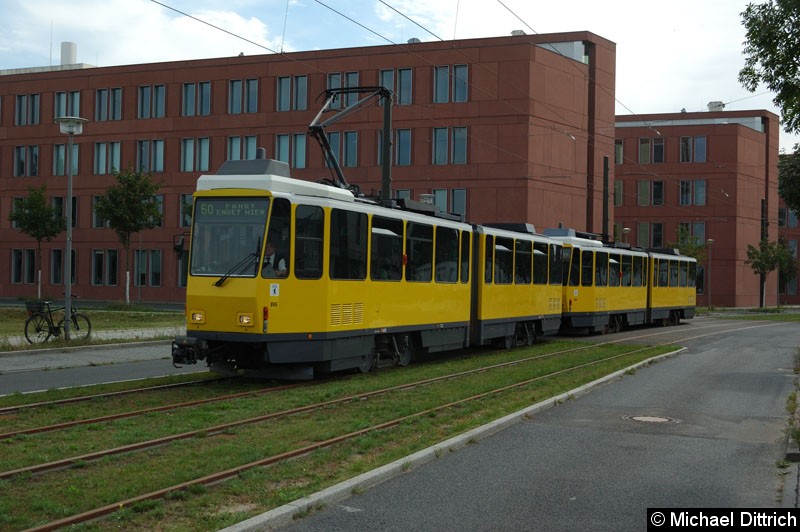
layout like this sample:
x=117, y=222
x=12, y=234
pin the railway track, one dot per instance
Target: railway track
x=299, y=448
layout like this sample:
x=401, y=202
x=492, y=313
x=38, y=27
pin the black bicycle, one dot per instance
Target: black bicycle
x=40, y=326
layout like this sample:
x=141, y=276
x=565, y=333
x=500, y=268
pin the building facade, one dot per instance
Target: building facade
x=711, y=174
x=499, y=130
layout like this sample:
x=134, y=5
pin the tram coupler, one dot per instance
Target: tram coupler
x=187, y=350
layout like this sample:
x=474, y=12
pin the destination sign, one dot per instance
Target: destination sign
x=231, y=210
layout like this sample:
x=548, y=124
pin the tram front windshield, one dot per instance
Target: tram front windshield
x=226, y=233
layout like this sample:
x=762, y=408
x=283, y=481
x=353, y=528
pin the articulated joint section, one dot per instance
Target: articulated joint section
x=187, y=350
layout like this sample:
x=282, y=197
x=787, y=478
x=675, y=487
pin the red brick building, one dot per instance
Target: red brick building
x=714, y=173
x=498, y=129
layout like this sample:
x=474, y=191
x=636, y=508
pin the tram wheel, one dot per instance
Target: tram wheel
x=367, y=363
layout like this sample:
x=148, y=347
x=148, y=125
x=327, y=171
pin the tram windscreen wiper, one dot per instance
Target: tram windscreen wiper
x=241, y=265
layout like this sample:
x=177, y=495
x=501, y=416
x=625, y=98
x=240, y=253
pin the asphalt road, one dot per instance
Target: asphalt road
x=586, y=465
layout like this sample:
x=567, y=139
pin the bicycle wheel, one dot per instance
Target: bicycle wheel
x=81, y=327
x=37, y=329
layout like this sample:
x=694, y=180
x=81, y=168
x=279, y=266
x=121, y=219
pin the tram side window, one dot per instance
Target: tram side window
x=638, y=271
x=488, y=259
x=587, y=275
x=278, y=236
x=684, y=274
x=503, y=260
x=601, y=269
x=673, y=273
x=523, y=262
x=446, y=255
x=556, y=272
x=693, y=274
x=348, y=251
x=627, y=267
x=309, y=222
x=614, y=273
x=386, y=263
x=419, y=248
x=663, y=272
x=465, y=247
x=572, y=257
x=540, y=261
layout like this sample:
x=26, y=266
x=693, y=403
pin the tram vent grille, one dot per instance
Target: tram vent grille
x=347, y=314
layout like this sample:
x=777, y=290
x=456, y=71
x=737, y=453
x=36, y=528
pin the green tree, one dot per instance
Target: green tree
x=787, y=265
x=130, y=207
x=789, y=178
x=689, y=245
x=767, y=257
x=771, y=49
x=40, y=221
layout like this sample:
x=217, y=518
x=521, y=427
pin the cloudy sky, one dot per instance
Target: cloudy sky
x=670, y=56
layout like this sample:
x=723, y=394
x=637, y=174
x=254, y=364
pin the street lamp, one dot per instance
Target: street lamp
x=625, y=232
x=71, y=126
x=708, y=243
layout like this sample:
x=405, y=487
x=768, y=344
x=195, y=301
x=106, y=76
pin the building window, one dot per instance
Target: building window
x=440, y=198
x=404, y=86
x=152, y=101
x=57, y=202
x=242, y=96
x=439, y=145
x=658, y=193
x=282, y=148
x=402, y=193
x=196, y=99
x=403, y=147
x=56, y=266
x=618, y=153
x=67, y=104
x=644, y=150
x=185, y=210
x=350, y=151
x=299, y=150
x=657, y=234
x=351, y=80
x=335, y=82
x=459, y=155
x=194, y=155
x=242, y=148
x=658, y=150
x=386, y=79
x=699, y=149
x=458, y=201
x=23, y=266
x=441, y=84
x=618, y=193
x=292, y=93
x=147, y=267
x=97, y=221
x=59, y=159
x=26, y=111
x=693, y=149
x=692, y=192
x=460, y=83
x=792, y=219
x=104, y=267
x=150, y=156
x=108, y=104
x=643, y=234
x=643, y=197
x=26, y=161
x=106, y=157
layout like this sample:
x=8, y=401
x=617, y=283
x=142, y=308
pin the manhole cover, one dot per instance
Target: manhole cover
x=651, y=419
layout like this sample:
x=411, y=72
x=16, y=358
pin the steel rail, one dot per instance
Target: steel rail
x=235, y=471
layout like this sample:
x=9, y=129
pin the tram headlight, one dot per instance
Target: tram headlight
x=197, y=316
x=244, y=319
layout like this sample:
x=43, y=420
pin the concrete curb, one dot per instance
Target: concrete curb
x=285, y=514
